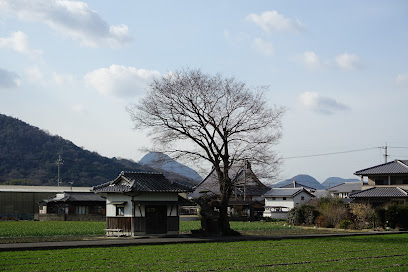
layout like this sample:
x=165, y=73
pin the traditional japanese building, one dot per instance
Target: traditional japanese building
x=247, y=201
x=139, y=203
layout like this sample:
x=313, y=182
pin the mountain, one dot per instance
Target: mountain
x=28, y=156
x=302, y=179
x=333, y=181
x=162, y=162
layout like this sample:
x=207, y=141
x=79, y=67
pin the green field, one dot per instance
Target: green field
x=360, y=253
x=50, y=228
x=43, y=229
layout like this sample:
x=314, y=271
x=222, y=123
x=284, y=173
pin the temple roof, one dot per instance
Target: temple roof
x=141, y=182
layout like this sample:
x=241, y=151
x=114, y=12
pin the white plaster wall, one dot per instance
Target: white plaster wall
x=276, y=215
x=111, y=209
x=290, y=202
x=279, y=202
x=116, y=197
x=298, y=198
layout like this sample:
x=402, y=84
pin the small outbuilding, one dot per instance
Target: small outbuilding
x=140, y=203
x=279, y=201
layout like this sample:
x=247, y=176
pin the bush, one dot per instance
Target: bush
x=302, y=215
x=333, y=209
x=321, y=222
x=363, y=215
x=397, y=216
x=345, y=224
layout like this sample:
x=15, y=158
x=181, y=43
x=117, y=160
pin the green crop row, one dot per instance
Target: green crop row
x=361, y=253
x=67, y=228
x=49, y=228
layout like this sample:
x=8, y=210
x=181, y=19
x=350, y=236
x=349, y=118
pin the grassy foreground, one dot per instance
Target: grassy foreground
x=361, y=253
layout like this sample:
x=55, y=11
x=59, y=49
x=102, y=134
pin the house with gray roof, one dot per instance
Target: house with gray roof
x=279, y=201
x=345, y=189
x=393, y=173
x=381, y=196
x=387, y=184
x=139, y=203
x=73, y=206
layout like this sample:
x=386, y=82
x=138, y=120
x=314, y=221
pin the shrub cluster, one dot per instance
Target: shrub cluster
x=329, y=212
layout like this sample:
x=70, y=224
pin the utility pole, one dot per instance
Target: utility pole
x=386, y=152
x=59, y=162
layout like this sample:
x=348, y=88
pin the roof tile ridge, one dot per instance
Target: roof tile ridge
x=375, y=166
x=142, y=172
x=403, y=164
x=207, y=177
x=402, y=190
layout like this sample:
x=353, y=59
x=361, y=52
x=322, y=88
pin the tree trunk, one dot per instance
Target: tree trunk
x=223, y=221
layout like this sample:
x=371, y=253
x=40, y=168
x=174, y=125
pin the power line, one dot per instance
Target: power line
x=331, y=153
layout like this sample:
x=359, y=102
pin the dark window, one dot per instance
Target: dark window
x=302, y=198
x=82, y=210
x=380, y=182
x=100, y=210
x=120, y=211
x=284, y=198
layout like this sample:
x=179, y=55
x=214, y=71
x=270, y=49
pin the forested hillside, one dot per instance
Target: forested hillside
x=28, y=156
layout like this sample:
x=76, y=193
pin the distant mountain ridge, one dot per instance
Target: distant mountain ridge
x=313, y=183
x=302, y=179
x=333, y=181
x=28, y=155
x=163, y=162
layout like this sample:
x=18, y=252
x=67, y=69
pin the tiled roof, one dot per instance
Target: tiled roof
x=394, y=167
x=380, y=192
x=141, y=182
x=346, y=187
x=285, y=192
x=76, y=197
x=241, y=175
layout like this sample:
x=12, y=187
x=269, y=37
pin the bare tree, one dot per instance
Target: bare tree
x=214, y=119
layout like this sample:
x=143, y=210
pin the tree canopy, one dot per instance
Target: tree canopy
x=211, y=118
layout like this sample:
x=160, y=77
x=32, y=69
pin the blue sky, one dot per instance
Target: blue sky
x=340, y=68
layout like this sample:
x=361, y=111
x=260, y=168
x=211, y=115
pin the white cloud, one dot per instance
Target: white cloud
x=70, y=18
x=347, y=61
x=311, y=60
x=270, y=21
x=8, y=79
x=402, y=79
x=264, y=47
x=324, y=105
x=62, y=79
x=18, y=42
x=119, y=80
